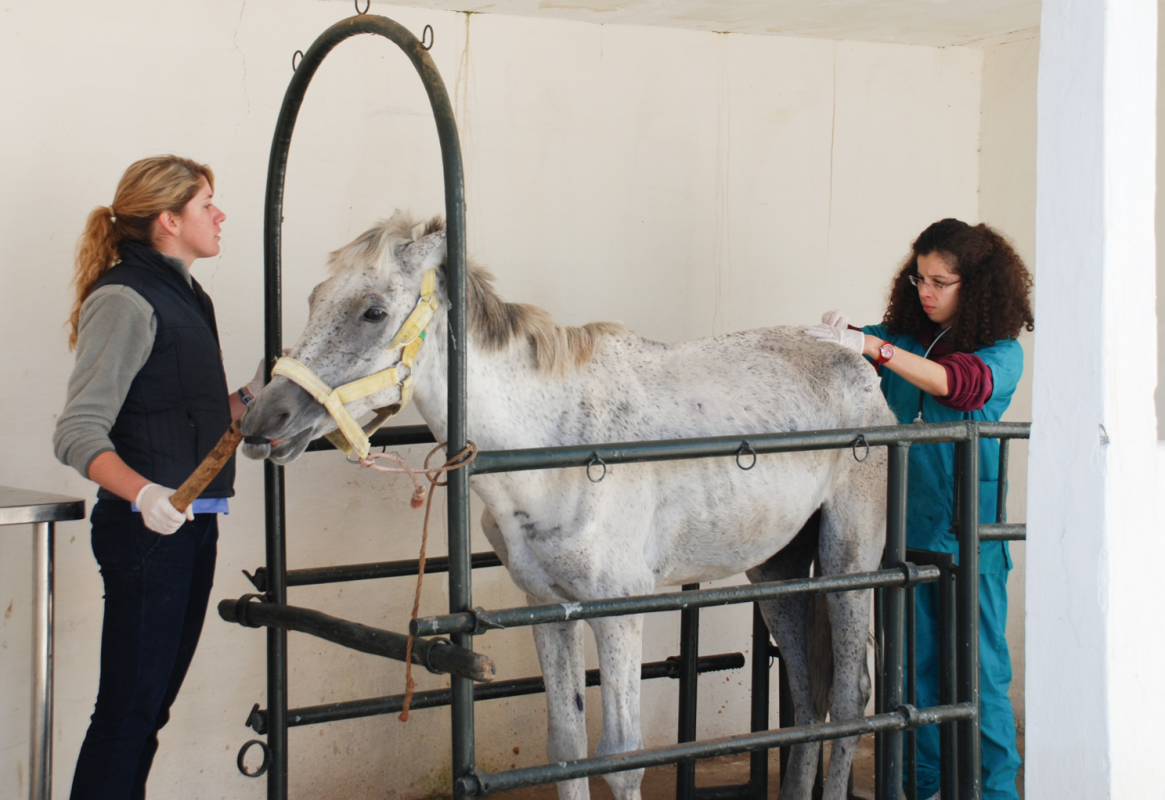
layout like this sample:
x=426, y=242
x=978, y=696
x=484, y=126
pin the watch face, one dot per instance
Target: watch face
x=887, y=351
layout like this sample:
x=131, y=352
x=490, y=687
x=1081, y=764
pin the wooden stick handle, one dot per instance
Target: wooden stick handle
x=215, y=460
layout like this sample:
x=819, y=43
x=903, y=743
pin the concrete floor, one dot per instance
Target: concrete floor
x=660, y=783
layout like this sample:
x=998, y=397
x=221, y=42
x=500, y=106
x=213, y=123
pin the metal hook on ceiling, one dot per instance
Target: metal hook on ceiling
x=427, y=34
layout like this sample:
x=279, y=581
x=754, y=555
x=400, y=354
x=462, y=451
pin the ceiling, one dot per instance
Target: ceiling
x=925, y=22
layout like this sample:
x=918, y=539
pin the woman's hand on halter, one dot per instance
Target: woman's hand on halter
x=834, y=328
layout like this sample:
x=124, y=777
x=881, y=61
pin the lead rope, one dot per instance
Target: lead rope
x=458, y=461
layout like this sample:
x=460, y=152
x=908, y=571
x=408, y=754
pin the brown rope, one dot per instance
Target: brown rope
x=460, y=460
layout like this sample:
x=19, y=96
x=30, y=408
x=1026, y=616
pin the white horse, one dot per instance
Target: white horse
x=563, y=538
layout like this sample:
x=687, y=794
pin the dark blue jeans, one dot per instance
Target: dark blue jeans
x=156, y=592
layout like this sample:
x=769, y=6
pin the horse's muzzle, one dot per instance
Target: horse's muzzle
x=256, y=447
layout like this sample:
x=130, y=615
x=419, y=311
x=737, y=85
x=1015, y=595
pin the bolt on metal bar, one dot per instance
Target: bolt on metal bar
x=495, y=690
x=481, y=783
x=480, y=620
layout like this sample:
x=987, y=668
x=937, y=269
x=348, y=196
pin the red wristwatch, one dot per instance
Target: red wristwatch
x=885, y=353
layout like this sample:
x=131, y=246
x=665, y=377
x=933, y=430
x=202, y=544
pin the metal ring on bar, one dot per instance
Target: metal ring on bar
x=367, y=5
x=294, y=62
x=911, y=715
x=266, y=762
x=596, y=460
x=746, y=447
x=861, y=440
x=240, y=612
x=427, y=33
x=433, y=645
x=910, y=572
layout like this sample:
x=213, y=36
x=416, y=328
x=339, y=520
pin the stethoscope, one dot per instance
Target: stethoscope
x=921, y=394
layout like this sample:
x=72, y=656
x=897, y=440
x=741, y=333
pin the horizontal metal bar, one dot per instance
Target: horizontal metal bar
x=478, y=621
x=1005, y=430
x=1003, y=532
x=395, y=436
x=394, y=704
x=314, y=576
x=436, y=656
x=482, y=783
x=492, y=461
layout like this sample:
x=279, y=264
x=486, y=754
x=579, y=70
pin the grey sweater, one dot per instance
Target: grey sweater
x=115, y=336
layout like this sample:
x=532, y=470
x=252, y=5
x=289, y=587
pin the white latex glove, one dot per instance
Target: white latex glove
x=834, y=328
x=158, y=513
x=835, y=319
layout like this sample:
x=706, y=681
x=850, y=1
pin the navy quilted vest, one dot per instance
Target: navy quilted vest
x=177, y=406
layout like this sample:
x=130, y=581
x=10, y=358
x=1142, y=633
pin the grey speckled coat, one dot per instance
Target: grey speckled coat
x=563, y=538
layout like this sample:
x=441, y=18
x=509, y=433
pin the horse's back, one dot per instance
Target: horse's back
x=763, y=380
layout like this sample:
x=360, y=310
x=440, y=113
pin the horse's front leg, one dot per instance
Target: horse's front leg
x=620, y=645
x=560, y=653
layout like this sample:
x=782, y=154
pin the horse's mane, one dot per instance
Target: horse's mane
x=493, y=323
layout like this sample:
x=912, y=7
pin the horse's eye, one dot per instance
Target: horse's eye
x=375, y=314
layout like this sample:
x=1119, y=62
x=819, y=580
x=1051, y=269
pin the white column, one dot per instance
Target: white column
x=1095, y=610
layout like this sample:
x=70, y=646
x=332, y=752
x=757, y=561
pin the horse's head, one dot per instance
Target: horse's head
x=358, y=318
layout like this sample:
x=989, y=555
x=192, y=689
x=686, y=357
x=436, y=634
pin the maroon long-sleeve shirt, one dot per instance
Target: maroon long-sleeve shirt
x=969, y=383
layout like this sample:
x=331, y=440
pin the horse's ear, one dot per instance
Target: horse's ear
x=435, y=258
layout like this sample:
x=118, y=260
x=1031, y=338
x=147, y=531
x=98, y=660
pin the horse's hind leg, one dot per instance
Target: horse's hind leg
x=852, y=537
x=620, y=644
x=786, y=618
x=560, y=653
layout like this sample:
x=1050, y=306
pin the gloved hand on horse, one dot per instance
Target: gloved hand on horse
x=834, y=328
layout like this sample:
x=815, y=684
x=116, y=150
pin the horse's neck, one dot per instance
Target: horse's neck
x=500, y=384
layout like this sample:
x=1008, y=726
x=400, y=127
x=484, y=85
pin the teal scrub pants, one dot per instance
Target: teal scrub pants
x=1000, y=758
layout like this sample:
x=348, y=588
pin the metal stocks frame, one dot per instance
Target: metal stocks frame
x=958, y=713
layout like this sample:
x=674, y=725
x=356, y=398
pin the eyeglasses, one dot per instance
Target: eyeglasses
x=935, y=286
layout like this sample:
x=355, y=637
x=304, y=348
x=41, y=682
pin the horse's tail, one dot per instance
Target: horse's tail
x=819, y=646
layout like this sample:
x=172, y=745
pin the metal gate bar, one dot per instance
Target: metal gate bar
x=482, y=783
x=276, y=578
x=495, y=690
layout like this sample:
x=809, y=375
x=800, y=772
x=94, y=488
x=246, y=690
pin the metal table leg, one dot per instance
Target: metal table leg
x=40, y=756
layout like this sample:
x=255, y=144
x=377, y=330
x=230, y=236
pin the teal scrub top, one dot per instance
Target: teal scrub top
x=931, y=471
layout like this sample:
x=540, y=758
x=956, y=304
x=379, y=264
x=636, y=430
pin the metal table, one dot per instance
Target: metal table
x=41, y=510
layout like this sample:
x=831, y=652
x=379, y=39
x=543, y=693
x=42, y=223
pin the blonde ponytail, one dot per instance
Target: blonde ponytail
x=148, y=188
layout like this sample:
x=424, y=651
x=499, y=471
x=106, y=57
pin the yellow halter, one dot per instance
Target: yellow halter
x=351, y=437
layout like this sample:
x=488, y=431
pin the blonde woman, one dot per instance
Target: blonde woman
x=147, y=400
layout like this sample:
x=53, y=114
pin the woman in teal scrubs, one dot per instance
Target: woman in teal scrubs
x=946, y=350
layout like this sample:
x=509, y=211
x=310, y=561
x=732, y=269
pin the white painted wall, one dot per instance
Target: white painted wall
x=1094, y=527
x=1007, y=201
x=686, y=183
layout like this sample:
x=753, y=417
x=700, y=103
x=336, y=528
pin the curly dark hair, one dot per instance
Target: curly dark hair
x=994, y=287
